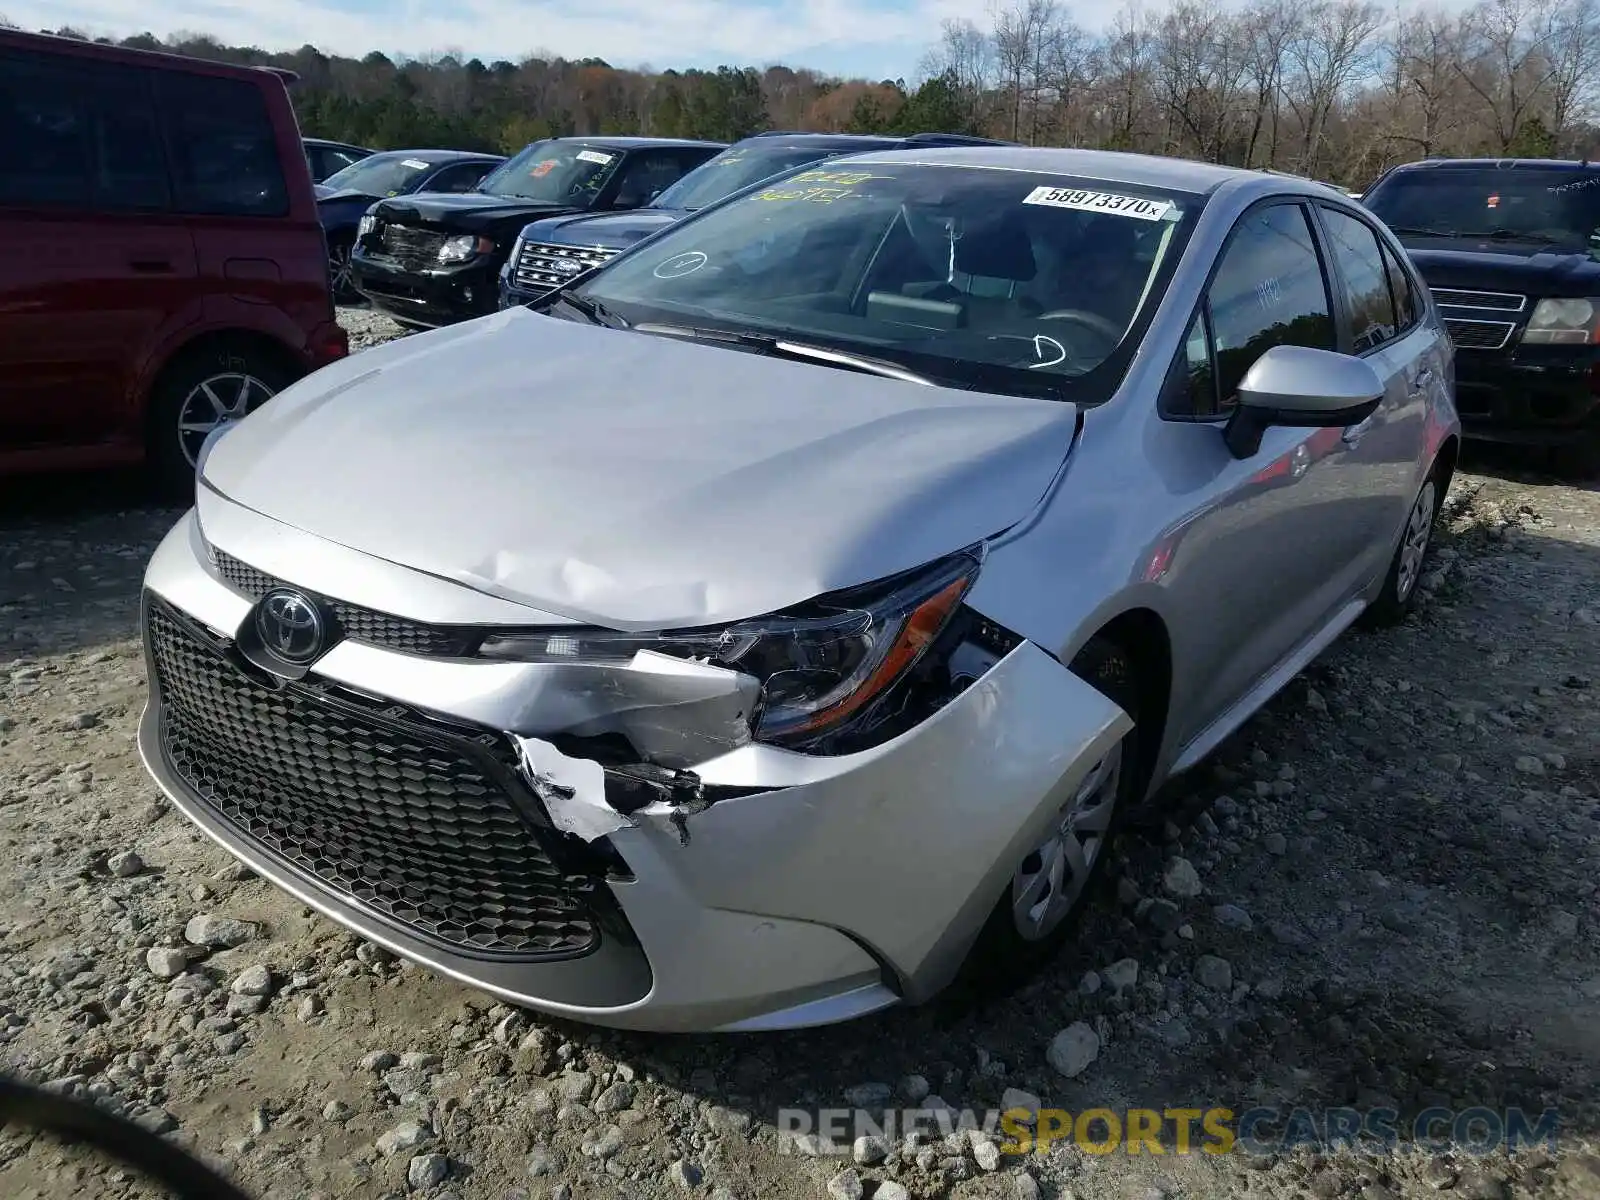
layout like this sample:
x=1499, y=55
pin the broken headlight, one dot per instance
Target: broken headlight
x=463, y=248
x=820, y=665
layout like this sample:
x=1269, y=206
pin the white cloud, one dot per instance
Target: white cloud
x=660, y=32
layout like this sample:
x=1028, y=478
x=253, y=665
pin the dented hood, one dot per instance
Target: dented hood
x=632, y=480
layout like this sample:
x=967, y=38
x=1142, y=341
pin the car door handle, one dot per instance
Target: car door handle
x=150, y=266
x=1421, y=382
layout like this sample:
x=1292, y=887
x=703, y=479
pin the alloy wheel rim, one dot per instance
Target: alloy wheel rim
x=1050, y=881
x=1419, y=528
x=215, y=401
x=339, y=269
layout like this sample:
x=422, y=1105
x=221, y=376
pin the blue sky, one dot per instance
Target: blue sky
x=872, y=38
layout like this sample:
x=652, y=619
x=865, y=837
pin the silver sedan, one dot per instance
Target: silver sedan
x=773, y=627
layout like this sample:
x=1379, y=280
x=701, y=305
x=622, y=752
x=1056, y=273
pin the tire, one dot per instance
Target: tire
x=1399, y=592
x=182, y=409
x=1011, y=949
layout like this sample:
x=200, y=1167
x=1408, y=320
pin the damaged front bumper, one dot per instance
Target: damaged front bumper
x=728, y=886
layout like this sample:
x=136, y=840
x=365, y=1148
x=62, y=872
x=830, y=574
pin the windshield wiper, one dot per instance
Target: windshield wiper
x=784, y=348
x=593, y=310
x=1511, y=235
x=1418, y=231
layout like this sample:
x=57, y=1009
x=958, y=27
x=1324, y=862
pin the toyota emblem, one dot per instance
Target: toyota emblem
x=290, y=626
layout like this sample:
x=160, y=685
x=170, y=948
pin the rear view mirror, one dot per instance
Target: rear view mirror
x=1301, y=387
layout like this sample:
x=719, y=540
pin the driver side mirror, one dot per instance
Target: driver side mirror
x=1301, y=387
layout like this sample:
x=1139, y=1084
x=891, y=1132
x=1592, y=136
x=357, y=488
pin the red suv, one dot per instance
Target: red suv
x=162, y=267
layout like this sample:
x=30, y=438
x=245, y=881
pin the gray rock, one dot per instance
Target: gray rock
x=1025, y=1186
x=126, y=864
x=887, y=1190
x=337, y=1111
x=1174, y=1033
x=1214, y=973
x=576, y=1087
x=846, y=1185
x=1181, y=879
x=1090, y=983
x=309, y=1008
x=685, y=1174
x=1529, y=764
x=1563, y=924
x=729, y=1122
x=985, y=1153
x=1122, y=974
x=614, y=1099
x=253, y=981
x=1163, y=916
x=1073, y=1049
x=1276, y=843
x=1015, y=1098
x=229, y=1043
x=168, y=962
x=418, y=1060
x=914, y=1089
x=245, y=1006
x=539, y=1163
x=426, y=1171
x=220, y=933
x=870, y=1149
x=1231, y=916
x=605, y=1144
x=868, y=1095
x=378, y=1060
x=407, y=1135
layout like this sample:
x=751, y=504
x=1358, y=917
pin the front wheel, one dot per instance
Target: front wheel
x=199, y=394
x=1052, y=884
x=339, y=280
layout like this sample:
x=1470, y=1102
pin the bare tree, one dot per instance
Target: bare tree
x=1334, y=47
x=1506, y=63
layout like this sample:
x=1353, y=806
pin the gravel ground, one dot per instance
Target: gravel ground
x=1382, y=892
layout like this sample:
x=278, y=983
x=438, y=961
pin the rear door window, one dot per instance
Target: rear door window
x=87, y=133
x=1368, y=299
x=223, y=147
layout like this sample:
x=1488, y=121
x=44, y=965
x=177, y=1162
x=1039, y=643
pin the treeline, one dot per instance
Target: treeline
x=1336, y=89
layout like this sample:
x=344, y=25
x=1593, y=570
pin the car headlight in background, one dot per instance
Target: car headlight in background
x=820, y=665
x=464, y=247
x=1562, y=322
x=366, y=225
x=511, y=259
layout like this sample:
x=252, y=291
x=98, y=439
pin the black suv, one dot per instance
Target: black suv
x=551, y=251
x=1511, y=251
x=433, y=258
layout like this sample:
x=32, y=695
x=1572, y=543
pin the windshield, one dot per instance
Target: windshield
x=733, y=170
x=380, y=175
x=557, y=172
x=1556, y=206
x=1001, y=281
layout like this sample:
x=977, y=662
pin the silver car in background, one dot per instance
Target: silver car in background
x=775, y=626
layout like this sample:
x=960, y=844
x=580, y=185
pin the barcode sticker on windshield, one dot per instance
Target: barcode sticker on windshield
x=595, y=156
x=1103, y=202
x=416, y=164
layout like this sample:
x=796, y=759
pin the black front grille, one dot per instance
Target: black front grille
x=412, y=248
x=1478, y=335
x=412, y=820
x=357, y=623
x=542, y=266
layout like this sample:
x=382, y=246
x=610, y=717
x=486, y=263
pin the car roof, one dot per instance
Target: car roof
x=440, y=156
x=311, y=141
x=50, y=43
x=640, y=143
x=1112, y=166
x=1502, y=164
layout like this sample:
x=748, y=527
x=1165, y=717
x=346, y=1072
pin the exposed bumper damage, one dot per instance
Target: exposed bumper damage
x=754, y=887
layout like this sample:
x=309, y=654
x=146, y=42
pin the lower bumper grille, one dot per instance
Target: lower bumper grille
x=409, y=821
x=1478, y=335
